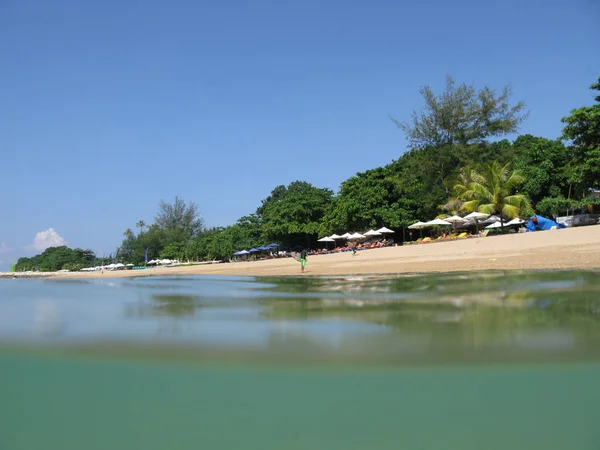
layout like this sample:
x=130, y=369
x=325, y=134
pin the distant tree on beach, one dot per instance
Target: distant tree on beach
x=462, y=115
x=57, y=258
x=178, y=220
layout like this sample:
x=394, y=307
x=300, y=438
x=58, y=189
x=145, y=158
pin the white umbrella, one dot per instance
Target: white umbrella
x=455, y=219
x=476, y=215
x=516, y=221
x=346, y=235
x=418, y=225
x=326, y=239
x=372, y=233
x=495, y=225
x=384, y=230
x=356, y=236
x=437, y=222
x=335, y=236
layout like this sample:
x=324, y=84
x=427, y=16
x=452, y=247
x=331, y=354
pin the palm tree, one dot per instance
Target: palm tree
x=491, y=192
x=466, y=176
x=141, y=225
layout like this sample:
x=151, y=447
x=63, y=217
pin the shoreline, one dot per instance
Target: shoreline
x=570, y=248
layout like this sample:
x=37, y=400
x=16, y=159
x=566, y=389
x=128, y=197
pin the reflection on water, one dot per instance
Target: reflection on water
x=440, y=317
x=302, y=363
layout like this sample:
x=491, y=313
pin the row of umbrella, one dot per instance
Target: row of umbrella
x=457, y=219
x=266, y=248
x=356, y=236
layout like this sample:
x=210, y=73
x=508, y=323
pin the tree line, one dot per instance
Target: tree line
x=457, y=161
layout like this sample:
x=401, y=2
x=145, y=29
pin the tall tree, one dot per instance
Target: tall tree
x=491, y=192
x=583, y=130
x=462, y=115
x=178, y=220
x=542, y=163
x=294, y=213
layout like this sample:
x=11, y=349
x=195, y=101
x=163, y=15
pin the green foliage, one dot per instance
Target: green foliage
x=57, y=258
x=178, y=221
x=543, y=164
x=462, y=115
x=555, y=206
x=294, y=212
x=492, y=192
x=583, y=129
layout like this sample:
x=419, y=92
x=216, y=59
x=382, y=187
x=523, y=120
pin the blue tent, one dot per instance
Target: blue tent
x=542, y=224
x=253, y=250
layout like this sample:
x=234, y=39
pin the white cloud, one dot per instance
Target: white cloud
x=46, y=239
x=4, y=248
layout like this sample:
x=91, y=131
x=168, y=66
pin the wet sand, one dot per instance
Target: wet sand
x=572, y=248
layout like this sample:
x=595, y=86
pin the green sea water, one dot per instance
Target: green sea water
x=450, y=361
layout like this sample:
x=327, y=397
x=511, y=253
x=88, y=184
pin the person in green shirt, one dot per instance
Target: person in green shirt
x=303, y=259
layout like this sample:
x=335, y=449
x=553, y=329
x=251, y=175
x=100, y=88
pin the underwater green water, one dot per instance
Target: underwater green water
x=457, y=361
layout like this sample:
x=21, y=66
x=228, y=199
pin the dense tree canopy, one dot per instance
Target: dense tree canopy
x=583, y=129
x=294, y=212
x=57, y=258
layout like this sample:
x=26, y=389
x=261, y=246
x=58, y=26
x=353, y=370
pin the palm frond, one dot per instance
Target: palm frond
x=488, y=208
x=470, y=206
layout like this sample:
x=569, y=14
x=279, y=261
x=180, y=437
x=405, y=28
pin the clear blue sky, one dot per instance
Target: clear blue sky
x=107, y=107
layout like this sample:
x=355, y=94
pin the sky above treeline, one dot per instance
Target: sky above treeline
x=108, y=107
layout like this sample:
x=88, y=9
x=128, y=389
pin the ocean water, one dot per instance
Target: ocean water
x=445, y=361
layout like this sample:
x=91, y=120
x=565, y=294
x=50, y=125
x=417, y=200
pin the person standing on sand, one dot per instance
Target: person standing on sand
x=303, y=259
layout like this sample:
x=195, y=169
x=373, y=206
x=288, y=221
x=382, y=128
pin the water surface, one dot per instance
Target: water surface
x=466, y=361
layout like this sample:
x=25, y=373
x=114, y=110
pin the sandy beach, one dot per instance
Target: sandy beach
x=571, y=248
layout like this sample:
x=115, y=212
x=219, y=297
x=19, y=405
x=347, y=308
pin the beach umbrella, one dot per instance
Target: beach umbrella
x=384, y=230
x=356, y=236
x=515, y=221
x=476, y=215
x=372, y=233
x=326, y=240
x=454, y=219
x=335, y=236
x=494, y=225
x=253, y=250
x=346, y=235
x=417, y=226
x=437, y=222
x=273, y=245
